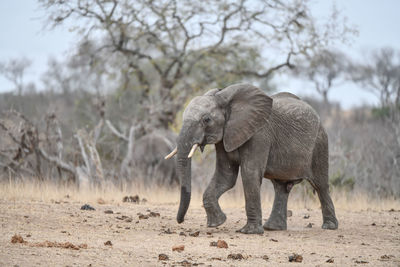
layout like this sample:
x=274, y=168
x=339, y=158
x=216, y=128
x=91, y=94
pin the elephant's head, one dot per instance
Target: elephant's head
x=231, y=115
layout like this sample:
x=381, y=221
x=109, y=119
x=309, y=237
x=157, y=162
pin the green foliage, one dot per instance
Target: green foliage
x=381, y=112
x=340, y=181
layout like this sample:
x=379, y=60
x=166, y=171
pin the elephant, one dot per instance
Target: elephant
x=147, y=160
x=278, y=137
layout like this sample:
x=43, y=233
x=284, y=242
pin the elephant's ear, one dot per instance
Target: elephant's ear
x=247, y=111
x=212, y=91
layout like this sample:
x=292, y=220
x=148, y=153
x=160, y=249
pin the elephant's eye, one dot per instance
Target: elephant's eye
x=206, y=120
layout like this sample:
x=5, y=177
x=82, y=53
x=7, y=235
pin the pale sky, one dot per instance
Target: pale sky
x=22, y=34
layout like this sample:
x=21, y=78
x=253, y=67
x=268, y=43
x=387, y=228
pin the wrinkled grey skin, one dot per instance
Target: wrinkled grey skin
x=148, y=159
x=279, y=138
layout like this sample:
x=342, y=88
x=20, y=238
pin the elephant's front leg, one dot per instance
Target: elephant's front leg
x=253, y=160
x=251, y=185
x=224, y=178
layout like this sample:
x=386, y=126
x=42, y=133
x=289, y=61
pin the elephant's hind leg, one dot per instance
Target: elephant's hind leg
x=277, y=219
x=320, y=180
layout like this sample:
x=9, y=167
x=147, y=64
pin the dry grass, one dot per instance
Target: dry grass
x=299, y=198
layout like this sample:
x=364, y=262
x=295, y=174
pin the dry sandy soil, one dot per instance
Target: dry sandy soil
x=365, y=237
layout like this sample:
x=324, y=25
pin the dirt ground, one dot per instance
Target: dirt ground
x=364, y=237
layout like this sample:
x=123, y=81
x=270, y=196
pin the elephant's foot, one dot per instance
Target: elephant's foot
x=215, y=219
x=330, y=224
x=275, y=225
x=251, y=228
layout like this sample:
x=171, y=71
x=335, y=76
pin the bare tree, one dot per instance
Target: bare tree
x=14, y=70
x=325, y=69
x=162, y=44
x=380, y=75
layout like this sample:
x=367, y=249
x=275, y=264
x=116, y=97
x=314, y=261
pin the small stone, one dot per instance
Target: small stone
x=143, y=217
x=179, y=248
x=386, y=257
x=265, y=257
x=295, y=258
x=195, y=234
x=273, y=240
x=101, y=201
x=361, y=262
x=17, y=239
x=373, y=224
x=87, y=207
x=306, y=216
x=185, y=263
x=108, y=243
x=132, y=199
x=222, y=244
x=154, y=214
x=289, y=213
x=181, y=233
x=309, y=225
x=331, y=260
x=163, y=257
x=237, y=256
x=108, y=212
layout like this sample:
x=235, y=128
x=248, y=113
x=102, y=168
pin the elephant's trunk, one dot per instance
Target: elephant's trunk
x=185, y=142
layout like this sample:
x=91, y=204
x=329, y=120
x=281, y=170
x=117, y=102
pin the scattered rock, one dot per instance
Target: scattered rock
x=295, y=258
x=143, y=217
x=132, y=199
x=309, y=225
x=108, y=212
x=17, y=239
x=108, y=243
x=87, y=207
x=273, y=240
x=68, y=245
x=195, y=234
x=101, y=201
x=331, y=260
x=168, y=231
x=154, y=214
x=386, y=257
x=179, y=248
x=289, y=213
x=237, y=256
x=163, y=257
x=307, y=216
x=219, y=244
x=185, y=263
x=265, y=257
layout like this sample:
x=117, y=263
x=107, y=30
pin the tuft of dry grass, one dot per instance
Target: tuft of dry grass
x=299, y=198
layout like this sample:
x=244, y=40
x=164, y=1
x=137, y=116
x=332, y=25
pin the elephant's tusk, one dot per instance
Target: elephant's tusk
x=192, y=150
x=170, y=155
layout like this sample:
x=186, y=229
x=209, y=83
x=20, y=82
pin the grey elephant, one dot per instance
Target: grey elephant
x=148, y=159
x=279, y=137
